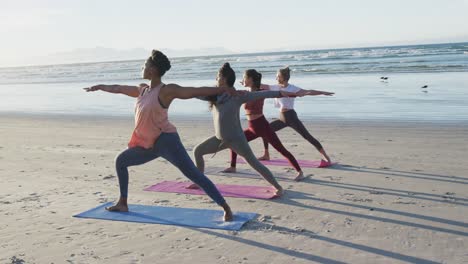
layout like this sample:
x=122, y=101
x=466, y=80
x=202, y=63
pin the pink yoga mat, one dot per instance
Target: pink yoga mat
x=285, y=163
x=238, y=191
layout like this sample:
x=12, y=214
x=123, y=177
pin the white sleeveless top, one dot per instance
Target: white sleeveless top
x=285, y=102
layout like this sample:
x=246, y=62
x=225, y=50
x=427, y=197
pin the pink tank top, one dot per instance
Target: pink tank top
x=150, y=119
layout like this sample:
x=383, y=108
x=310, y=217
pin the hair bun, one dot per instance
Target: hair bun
x=160, y=61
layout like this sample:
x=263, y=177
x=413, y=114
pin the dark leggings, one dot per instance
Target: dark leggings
x=261, y=128
x=290, y=119
x=168, y=146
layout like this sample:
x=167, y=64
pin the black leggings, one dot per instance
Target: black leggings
x=290, y=119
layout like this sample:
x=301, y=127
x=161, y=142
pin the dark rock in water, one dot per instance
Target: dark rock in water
x=425, y=86
x=384, y=78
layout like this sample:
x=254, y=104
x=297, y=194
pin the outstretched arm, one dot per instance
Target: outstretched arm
x=176, y=91
x=129, y=90
x=173, y=91
x=303, y=92
x=259, y=95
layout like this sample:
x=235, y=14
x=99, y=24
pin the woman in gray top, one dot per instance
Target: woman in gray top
x=228, y=130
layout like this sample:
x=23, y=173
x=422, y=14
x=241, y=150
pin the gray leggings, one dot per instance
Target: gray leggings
x=290, y=119
x=168, y=146
x=241, y=147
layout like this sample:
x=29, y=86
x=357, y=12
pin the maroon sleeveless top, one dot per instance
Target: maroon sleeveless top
x=254, y=107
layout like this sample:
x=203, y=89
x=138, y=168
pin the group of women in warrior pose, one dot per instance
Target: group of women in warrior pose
x=154, y=136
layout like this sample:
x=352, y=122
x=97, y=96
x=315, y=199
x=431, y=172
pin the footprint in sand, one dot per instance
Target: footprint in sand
x=348, y=221
x=16, y=260
x=360, y=200
x=399, y=200
x=449, y=196
x=161, y=201
x=265, y=218
x=403, y=202
x=333, y=178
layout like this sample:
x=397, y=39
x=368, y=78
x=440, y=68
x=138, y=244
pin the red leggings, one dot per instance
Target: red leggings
x=261, y=128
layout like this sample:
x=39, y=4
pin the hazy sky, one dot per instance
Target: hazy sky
x=37, y=28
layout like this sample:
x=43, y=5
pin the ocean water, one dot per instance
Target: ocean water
x=353, y=74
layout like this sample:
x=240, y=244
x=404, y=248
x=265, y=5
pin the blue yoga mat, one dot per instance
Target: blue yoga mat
x=170, y=216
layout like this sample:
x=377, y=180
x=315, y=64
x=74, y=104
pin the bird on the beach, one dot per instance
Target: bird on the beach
x=425, y=86
x=384, y=79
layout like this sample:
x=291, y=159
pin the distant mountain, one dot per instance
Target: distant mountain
x=99, y=54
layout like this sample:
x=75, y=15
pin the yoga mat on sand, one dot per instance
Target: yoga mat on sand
x=285, y=163
x=201, y=218
x=227, y=190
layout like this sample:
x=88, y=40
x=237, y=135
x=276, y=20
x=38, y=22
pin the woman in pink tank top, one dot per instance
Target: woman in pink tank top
x=154, y=136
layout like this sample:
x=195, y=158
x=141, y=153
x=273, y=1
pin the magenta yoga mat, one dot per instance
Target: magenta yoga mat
x=285, y=163
x=228, y=190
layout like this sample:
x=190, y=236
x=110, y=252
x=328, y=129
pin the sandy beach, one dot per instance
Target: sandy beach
x=398, y=195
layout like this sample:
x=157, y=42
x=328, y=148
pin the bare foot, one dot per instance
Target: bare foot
x=230, y=170
x=279, y=192
x=193, y=186
x=264, y=157
x=300, y=176
x=327, y=158
x=117, y=208
x=325, y=155
x=228, y=217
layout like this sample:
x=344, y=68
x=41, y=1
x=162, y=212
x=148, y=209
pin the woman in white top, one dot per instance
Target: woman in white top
x=288, y=117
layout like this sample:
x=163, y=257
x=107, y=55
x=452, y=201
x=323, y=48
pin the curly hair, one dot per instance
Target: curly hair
x=256, y=78
x=160, y=61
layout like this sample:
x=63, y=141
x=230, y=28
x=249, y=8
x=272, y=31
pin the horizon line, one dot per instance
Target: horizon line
x=240, y=54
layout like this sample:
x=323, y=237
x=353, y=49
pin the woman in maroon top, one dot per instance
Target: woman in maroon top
x=259, y=126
